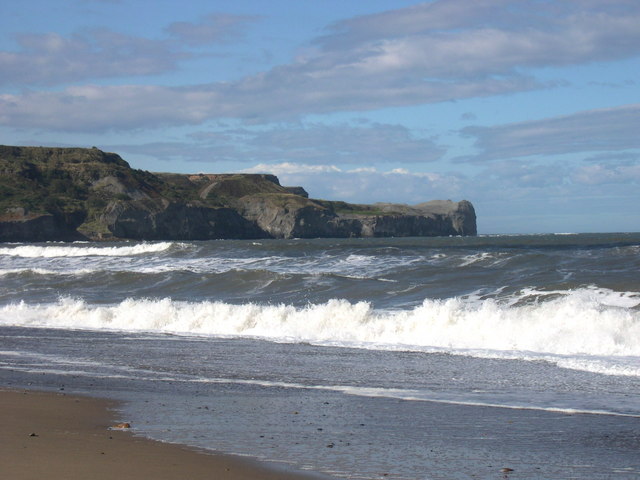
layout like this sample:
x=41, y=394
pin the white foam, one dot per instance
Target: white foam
x=48, y=251
x=482, y=257
x=33, y=271
x=81, y=259
x=44, y=271
x=586, y=329
x=413, y=395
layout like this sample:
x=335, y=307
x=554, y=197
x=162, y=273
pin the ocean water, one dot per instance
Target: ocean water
x=361, y=358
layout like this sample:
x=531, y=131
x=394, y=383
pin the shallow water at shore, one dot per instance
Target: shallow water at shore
x=414, y=358
x=350, y=413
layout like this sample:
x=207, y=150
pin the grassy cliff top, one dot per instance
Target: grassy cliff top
x=59, y=180
x=64, y=180
x=67, y=180
x=49, y=157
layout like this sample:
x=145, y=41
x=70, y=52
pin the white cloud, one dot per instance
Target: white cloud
x=311, y=144
x=95, y=108
x=288, y=168
x=541, y=185
x=50, y=59
x=366, y=185
x=603, y=174
x=453, y=38
x=54, y=59
x=432, y=52
x=610, y=129
x=363, y=170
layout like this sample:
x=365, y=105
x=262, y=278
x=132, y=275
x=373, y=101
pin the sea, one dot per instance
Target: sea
x=488, y=357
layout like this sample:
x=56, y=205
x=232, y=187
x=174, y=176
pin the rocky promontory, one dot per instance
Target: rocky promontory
x=87, y=194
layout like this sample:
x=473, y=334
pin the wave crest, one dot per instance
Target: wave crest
x=48, y=251
x=583, y=322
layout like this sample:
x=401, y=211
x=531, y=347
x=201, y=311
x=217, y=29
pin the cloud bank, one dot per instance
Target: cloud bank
x=309, y=144
x=609, y=129
x=431, y=52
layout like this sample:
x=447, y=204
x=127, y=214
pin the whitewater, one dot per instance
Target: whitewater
x=448, y=327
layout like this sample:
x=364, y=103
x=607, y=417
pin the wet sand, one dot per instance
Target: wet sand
x=62, y=437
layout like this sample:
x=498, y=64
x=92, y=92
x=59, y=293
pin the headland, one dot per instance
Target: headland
x=68, y=194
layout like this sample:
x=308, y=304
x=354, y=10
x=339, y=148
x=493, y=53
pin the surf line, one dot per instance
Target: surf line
x=400, y=394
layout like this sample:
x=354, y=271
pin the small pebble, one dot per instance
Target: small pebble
x=123, y=425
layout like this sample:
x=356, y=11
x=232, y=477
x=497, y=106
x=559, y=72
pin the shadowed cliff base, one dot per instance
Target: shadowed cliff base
x=66, y=194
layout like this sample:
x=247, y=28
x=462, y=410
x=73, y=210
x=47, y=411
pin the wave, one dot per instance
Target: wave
x=482, y=257
x=35, y=251
x=582, y=329
x=66, y=366
x=351, y=266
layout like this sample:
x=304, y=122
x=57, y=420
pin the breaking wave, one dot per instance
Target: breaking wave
x=48, y=251
x=587, y=329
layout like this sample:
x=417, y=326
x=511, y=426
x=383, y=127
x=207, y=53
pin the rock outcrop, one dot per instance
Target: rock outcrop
x=75, y=193
x=18, y=224
x=176, y=221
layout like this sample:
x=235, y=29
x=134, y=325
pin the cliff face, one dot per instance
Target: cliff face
x=74, y=193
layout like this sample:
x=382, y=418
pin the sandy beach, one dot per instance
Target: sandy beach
x=63, y=437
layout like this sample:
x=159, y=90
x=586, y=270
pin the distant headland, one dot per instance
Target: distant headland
x=67, y=194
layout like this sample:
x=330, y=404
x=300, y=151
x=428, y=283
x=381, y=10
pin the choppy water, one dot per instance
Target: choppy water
x=418, y=357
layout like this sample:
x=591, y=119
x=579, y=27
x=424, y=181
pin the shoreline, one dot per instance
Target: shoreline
x=67, y=437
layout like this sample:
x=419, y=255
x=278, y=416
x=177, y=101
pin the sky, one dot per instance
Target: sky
x=530, y=109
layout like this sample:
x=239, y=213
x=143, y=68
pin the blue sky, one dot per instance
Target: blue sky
x=530, y=109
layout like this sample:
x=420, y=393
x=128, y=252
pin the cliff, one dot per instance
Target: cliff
x=79, y=193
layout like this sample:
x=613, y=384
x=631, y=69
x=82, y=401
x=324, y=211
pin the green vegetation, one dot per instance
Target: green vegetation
x=83, y=182
x=238, y=186
x=344, y=208
x=85, y=189
x=62, y=182
x=284, y=201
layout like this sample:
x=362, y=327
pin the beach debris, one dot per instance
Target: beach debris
x=32, y=434
x=121, y=426
x=506, y=470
